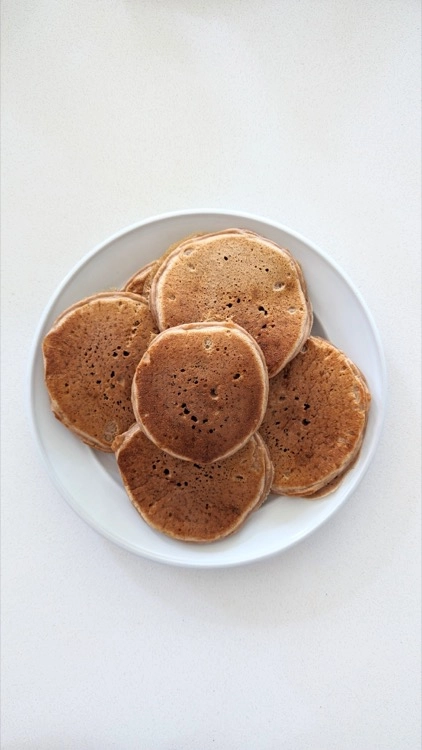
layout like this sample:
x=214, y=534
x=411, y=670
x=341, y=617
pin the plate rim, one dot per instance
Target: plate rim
x=31, y=370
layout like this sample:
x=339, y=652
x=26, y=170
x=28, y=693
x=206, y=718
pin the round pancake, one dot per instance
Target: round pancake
x=136, y=283
x=315, y=420
x=200, y=390
x=90, y=356
x=189, y=501
x=236, y=275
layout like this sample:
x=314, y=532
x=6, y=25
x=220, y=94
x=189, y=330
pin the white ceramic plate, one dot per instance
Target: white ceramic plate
x=89, y=479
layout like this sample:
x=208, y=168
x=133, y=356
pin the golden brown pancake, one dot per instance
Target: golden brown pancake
x=236, y=275
x=200, y=390
x=189, y=501
x=315, y=420
x=90, y=356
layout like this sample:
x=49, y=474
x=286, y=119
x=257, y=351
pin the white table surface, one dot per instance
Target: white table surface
x=304, y=112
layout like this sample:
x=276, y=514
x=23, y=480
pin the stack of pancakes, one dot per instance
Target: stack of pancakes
x=203, y=379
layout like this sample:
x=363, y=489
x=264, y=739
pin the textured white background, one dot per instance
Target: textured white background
x=306, y=112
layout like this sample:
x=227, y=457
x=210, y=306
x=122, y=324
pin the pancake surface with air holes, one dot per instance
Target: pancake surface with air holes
x=200, y=390
x=236, y=275
x=90, y=356
x=190, y=501
x=315, y=420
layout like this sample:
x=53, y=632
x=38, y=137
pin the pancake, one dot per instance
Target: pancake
x=200, y=390
x=189, y=501
x=90, y=356
x=136, y=283
x=236, y=275
x=315, y=420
